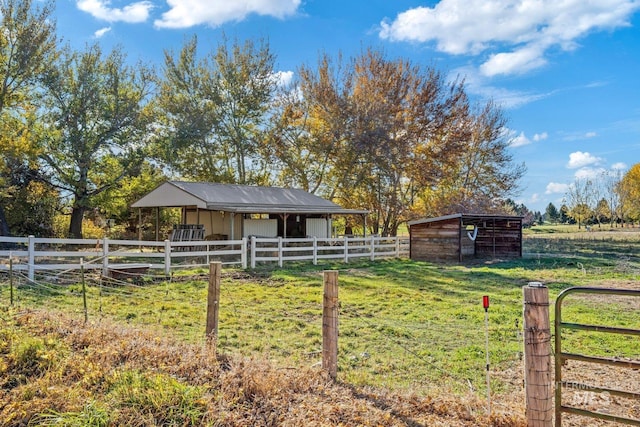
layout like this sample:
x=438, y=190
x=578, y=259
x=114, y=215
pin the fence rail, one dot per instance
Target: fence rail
x=313, y=249
x=33, y=254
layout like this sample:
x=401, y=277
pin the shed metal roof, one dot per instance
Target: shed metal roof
x=239, y=199
x=464, y=216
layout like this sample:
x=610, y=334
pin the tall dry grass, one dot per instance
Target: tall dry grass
x=55, y=370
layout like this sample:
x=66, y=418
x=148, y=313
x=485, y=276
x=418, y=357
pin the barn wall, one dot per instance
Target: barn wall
x=317, y=227
x=216, y=224
x=435, y=240
x=260, y=227
x=213, y=221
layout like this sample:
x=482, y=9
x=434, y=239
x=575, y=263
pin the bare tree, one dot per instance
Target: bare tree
x=581, y=200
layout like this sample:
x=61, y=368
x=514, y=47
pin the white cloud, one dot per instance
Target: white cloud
x=579, y=136
x=477, y=84
x=101, y=32
x=188, y=13
x=132, y=13
x=540, y=136
x=517, y=33
x=580, y=160
x=520, y=140
x=589, y=173
x=619, y=166
x=517, y=62
x=283, y=78
x=556, y=188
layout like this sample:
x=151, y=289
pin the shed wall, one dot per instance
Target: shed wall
x=500, y=238
x=435, y=240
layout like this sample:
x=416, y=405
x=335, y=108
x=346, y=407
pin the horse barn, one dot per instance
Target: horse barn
x=213, y=211
x=461, y=237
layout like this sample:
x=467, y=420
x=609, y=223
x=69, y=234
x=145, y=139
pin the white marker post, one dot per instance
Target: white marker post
x=485, y=304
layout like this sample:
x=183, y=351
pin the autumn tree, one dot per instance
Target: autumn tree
x=481, y=172
x=27, y=45
x=392, y=137
x=629, y=192
x=95, y=125
x=214, y=109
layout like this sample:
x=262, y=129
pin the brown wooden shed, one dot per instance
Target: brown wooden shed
x=461, y=237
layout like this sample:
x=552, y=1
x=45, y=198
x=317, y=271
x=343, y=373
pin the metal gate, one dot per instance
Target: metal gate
x=560, y=357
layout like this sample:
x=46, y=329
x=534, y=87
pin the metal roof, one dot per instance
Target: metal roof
x=239, y=199
x=464, y=216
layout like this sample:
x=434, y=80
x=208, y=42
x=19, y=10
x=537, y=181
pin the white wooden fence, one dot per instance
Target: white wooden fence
x=32, y=254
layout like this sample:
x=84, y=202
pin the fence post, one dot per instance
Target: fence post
x=397, y=247
x=167, y=258
x=537, y=356
x=11, y=278
x=253, y=252
x=346, y=250
x=31, y=257
x=373, y=248
x=105, y=256
x=315, y=250
x=84, y=291
x=243, y=256
x=279, y=251
x=330, y=323
x=213, y=299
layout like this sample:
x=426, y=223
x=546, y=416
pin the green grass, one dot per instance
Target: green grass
x=403, y=324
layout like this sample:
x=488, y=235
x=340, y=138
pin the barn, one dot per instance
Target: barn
x=462, y=237
x=216, y=211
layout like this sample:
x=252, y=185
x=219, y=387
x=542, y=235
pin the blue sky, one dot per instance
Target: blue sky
x=566, y=72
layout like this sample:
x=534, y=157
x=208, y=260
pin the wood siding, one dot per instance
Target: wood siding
x=499, y=238
x=435, y=240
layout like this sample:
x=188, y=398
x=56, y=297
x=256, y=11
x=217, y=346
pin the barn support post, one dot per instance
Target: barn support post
x=139, y=224
x=364, y=225
x=539, y=390
x=232, y=218
x=330, y=324
x=157, y=223
x=285, y=217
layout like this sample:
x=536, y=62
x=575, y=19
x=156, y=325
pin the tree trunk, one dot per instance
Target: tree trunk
x=4, y=227
x=75, y=227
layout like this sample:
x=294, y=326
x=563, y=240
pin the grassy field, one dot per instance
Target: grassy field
x=405, y=327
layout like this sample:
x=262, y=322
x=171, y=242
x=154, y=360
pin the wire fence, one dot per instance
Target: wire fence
x=283, y=323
